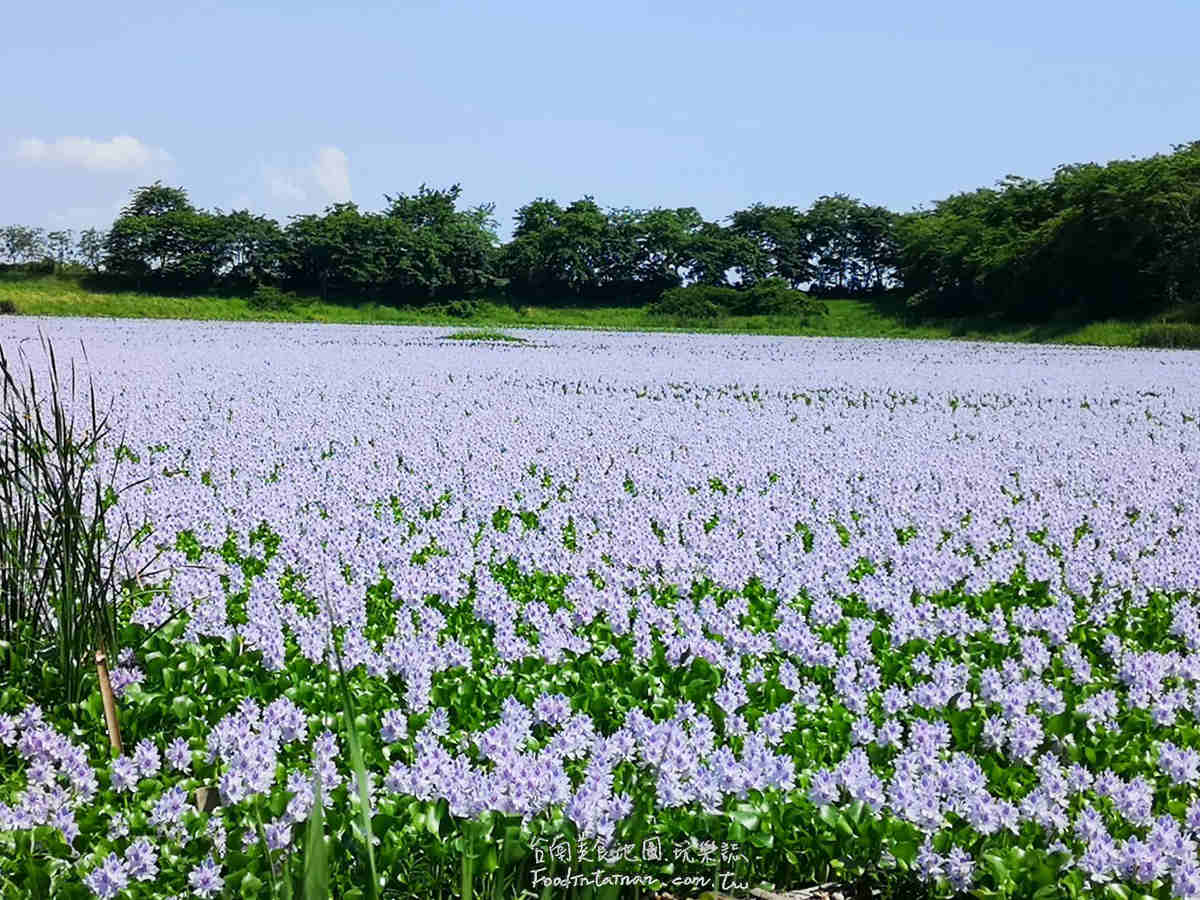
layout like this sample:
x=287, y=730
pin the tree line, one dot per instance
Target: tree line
x=21, y=245
x=1096, y=239
x=1121, y=238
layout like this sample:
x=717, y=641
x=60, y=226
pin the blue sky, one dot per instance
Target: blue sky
x=287, y=108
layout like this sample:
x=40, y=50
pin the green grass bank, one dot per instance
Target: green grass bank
x=888, y=317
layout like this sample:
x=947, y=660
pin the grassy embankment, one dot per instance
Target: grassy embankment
x=62, y=296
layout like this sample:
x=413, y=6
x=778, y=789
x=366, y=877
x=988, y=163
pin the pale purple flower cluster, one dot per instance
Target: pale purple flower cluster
x=59, y=778
x=1181, y=764
x=109, y=878
x=167, y=814
x=246, y=744
x=395, y=726
x=179, y=755
x=205, y=880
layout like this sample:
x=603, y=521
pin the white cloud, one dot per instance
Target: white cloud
x=121, y=153
x=332, y=173
x=321, y=179
x=283, y=186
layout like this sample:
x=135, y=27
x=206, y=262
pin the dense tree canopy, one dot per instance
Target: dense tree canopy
x=1105, y=240
x=779, y=244
x=1093, y=239
x=585, y=252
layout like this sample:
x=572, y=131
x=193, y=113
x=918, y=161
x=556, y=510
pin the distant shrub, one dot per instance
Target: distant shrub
x=268, y=298
x=1185, y=312
x=462, y=309
x=694, y=303
x=1170, y=334
x=41, y=267
x=706, y=302
x=485, y=335
x=7, y=307
x=775, y=297
x=920, y=300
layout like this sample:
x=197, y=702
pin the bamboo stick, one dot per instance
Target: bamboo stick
x=110, y=702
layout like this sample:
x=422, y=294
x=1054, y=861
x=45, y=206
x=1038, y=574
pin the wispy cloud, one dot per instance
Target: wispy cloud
x=283, y=186
x=119, y=154
x=332, y=173
x=324, y=178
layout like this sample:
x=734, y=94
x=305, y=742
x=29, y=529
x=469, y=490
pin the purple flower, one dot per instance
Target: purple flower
x=141, y=860
x=1185, y=880
x=824, y=789
x=1136, y=800
x=1100, y=859
x=995, y=732
x=179, y=755
x=930, y=864
x=121, y=677
x=862, y=731
x=1143, y=862
x=774, y=725
x=553, y=709
x=147, y=759
x=1182, y=764
x=284, y=721
x=1193, y=818
x=64, y=821
x=890, y=734
x=168, y=811
x=895, y=699
x=302, y=788
x=218, y=834
x=960, y=868
x=124, y=774
x=109, y=879
x=205, y=879
x=8, y=730
x=395, y=726
x=118, y=826
x=278, y=833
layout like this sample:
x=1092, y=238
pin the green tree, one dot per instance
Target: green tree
x=780, y=240
x=1093, y=240
x=157, y=200
x=59, y=244
x=251, y=249
x=341, y=252
x=556, y=252
x=714, y=251
x=853, y=246
x=161, y=241
x=23, y=244
x=439, y=250
x=90, y=248
x=665, y=239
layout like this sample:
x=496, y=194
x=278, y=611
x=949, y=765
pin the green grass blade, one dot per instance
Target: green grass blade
x=358, y=766
x=316, y=854
x=360, y=772
x=468, y=863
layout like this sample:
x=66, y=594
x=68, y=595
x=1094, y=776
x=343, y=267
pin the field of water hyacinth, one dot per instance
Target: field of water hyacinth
x=628, y=613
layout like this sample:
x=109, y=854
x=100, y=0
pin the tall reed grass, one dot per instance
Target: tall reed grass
x=62, y=554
